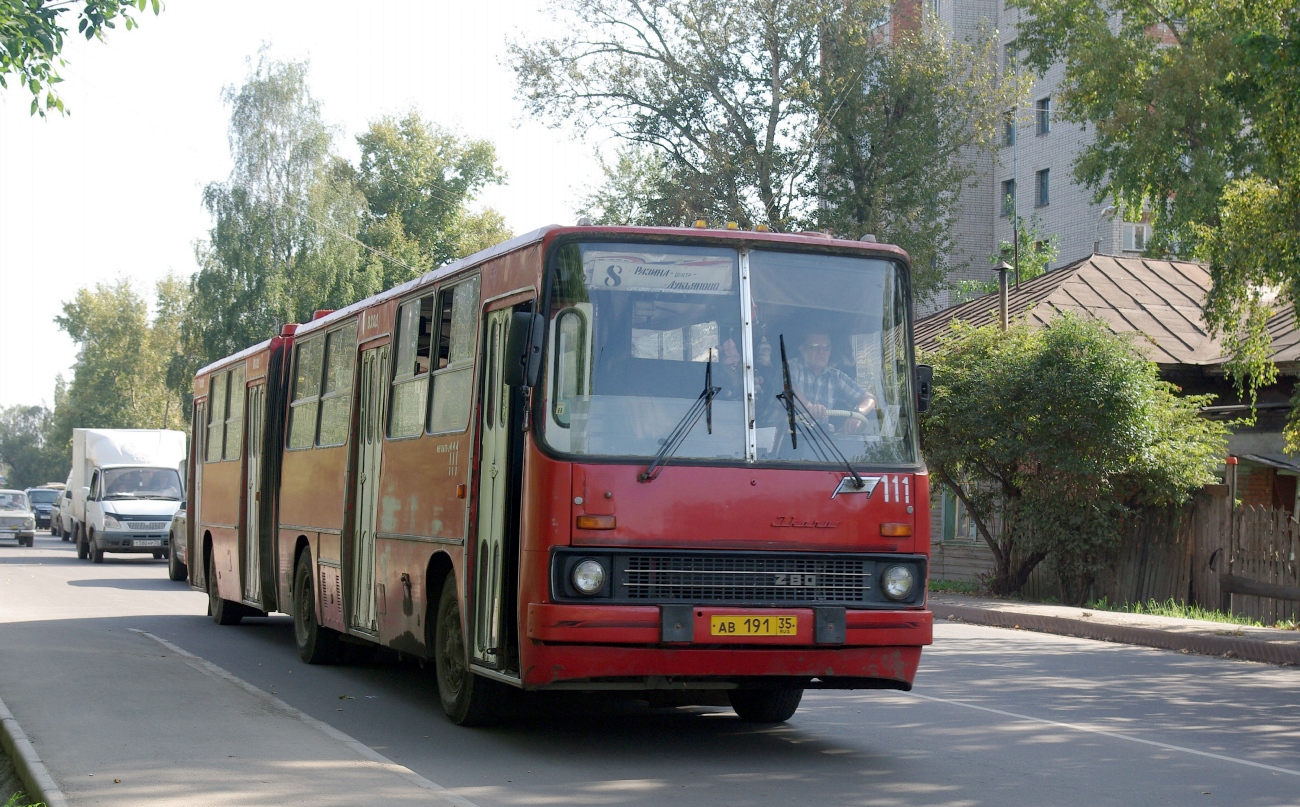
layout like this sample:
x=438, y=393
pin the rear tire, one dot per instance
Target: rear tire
x=223, y=612
x=765, y=705
x=175, y=569
x=316, y=644
x=468, y=699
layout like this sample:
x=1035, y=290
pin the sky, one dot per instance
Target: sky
x=113, y=189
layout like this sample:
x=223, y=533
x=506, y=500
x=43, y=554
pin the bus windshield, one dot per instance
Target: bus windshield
x=636, y=329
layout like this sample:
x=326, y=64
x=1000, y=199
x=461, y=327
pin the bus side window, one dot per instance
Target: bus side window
x=411, y=368
x=570, y=327
x=306, y=393
x=336, y=398
x=235, y=414
x=453, y=375
x=216, y=415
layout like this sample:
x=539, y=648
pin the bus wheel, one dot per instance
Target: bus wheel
x=468, y=699
x=765, y=705
x=223, y=612
x=316, y=644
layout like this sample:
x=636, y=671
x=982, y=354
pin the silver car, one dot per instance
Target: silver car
x=16, y=517
x=177, y=560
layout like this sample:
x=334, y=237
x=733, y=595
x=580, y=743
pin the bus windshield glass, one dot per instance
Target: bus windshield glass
x=636, y=328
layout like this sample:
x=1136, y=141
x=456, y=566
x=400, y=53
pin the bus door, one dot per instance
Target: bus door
x=194, y=526
x=256, y=410
x=491, y=548
x=372, y=402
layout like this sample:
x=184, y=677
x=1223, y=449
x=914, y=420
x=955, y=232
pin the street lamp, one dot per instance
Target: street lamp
x=1096, y=238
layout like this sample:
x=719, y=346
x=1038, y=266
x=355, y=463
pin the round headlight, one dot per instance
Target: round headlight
x=29, y=523
x=588, y=576
x=897, y=582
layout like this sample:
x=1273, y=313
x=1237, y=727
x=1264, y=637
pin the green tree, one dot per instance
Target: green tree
x=31, y=40
x=119, y=380
x=284, y=236
x=417, y=180
x=27, y=448
x=1055, y=433
x=1037, y=252
x=789, y=113
x=898, y=122
x=721, y=88
x=640, y=189
x=1196, y=108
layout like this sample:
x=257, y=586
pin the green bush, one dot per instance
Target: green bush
x=1056, y=432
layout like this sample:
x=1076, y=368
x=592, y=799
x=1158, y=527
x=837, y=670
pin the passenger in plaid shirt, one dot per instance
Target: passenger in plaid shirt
x=822, y=387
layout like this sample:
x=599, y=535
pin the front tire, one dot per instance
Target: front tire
x=96, y=554
x=175, y=569
x=468, y=699
x=223, y=612
x=317, y=644
x=765, y=705
x=83, y=551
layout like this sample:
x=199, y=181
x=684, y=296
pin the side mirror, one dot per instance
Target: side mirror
x=523, y=356
x=84, y=493
x=182, y=507
x=924, y=386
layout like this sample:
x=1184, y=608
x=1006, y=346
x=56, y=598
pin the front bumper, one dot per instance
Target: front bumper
x=577, y=645
x=143, y=542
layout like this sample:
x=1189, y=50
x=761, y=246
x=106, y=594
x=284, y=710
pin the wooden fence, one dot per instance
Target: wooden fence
x=1191, y=554
x=1264, y=547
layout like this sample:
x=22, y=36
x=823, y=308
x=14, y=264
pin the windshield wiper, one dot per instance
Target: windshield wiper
x=787, y=394
x=673, y=441
x=797, y=413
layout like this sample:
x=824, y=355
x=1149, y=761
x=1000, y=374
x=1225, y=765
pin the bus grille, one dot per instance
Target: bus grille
x=705, y=579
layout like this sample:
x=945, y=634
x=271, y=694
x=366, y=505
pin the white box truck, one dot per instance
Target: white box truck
x=126, y=486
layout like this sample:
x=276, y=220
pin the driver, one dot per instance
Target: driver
x=822, y=387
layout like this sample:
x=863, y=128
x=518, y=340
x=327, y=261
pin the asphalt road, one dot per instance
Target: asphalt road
x=998, y=717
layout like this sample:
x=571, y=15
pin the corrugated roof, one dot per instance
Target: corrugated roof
x=1159, y=302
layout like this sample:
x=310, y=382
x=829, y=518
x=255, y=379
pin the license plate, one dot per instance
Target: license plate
x=774, y=625
x=8, y=535
x=156, y=542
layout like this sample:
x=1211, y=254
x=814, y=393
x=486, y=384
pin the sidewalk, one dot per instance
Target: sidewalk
x=1170, y=633
x=231, y=743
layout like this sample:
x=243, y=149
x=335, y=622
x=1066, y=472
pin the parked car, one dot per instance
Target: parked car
x=42, y=500
x=16, y=517
x=177, y=558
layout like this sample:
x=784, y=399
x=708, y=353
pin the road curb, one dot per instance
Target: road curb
x=41, y=787
x=1212, y=644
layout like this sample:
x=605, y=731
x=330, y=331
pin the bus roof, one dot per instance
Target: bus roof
x=540, y=234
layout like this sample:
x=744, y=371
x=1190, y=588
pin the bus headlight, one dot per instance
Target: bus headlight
x=897, y=582
x=588, y=576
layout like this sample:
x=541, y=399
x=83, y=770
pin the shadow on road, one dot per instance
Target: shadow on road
x=130, y=584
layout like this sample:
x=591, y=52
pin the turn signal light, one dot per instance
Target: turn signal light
x=596, y=522
x=460, y=491
x=701, y=224
x=896, y=530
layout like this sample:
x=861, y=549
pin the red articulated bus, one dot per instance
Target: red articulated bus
x=590, y=458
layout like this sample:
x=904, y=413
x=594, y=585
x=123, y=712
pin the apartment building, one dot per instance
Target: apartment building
x=1031, y=164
